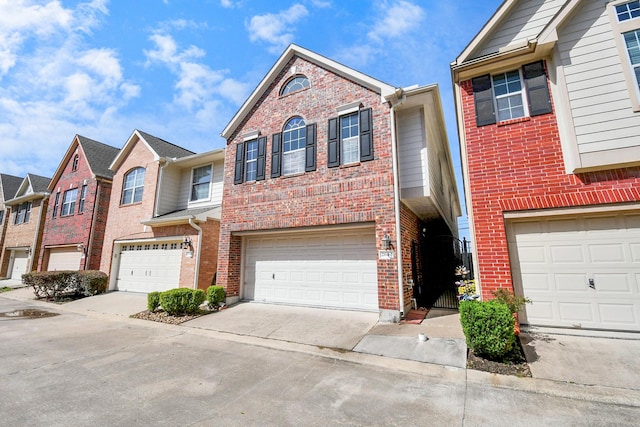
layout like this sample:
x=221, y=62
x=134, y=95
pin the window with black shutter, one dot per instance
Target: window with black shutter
x=350, y=138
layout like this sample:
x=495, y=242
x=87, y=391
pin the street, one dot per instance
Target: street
x=75, y=370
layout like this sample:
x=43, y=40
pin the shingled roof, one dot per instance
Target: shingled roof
x=39, y=183
x=10, y=185
x=164, y=148
x=99, y=156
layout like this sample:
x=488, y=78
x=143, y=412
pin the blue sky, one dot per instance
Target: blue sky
x=180, y=69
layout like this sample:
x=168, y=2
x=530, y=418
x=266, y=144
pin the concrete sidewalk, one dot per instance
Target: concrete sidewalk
x=602, y=369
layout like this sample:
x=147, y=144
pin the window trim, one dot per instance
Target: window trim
x=522, y=92
x=619, y=29
x=301, y=129
x=192, y=186
x=134, y=187
x=82, y=199
x=253, y=161
x=70, y=203
x=56, y=205
x=365, y=138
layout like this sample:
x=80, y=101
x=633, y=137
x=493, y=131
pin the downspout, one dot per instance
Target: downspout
x=197, y=272
x=34, y=251
x=96, y=202
x=396, y=200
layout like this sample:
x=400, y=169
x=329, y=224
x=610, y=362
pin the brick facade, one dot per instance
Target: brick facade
x=361, y=193
x=516, y=166
x=77, y=228
x=24, y=235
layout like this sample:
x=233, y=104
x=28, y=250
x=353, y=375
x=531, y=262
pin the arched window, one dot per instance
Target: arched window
x=294, y=139
x=133, y=186
x=294, y=84
x=74, y=165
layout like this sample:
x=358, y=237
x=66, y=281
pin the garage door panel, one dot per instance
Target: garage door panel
x=320, y=269
x=20, y=263
x=603, y=248
x=145, y=269
x=64, y=259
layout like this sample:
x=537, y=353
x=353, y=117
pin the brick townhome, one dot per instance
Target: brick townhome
x=312, y=210
x=9, y=185
x=25, y=223
x=548, y=106
x=164, y=216
x=76, y=217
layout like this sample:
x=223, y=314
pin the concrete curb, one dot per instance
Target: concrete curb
x=585, y=392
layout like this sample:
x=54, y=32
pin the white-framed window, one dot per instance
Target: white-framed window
x=1, y=217
x=295, y=84
x=133, y=186
x=632, y=42
x=629, y=10
x=251, y=161
x=23, y=212
x=625, y=21
x=201, y=183
x=349, y=139
x=294, y=140
x=69, y=202
x=509, y=95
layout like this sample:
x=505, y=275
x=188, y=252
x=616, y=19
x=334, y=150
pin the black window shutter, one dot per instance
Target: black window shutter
x=334, y=144
x=239, y=170
x=535, y=80
x=262, y=147
x=310, y=149
x=366, y=135
x=483, y=99
x=276, y=155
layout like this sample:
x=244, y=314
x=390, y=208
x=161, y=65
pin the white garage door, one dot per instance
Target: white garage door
x=147, y=267
x=581, y=271
x=20, y=263
x=331, y=269
x=64, y=259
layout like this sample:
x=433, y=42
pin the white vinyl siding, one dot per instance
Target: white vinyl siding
x=525, y=21
x=330, y=269
x=412, y=150
x=598, y=94
x=170, y=190
x=579, y=271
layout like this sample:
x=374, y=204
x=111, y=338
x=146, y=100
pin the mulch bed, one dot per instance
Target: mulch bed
x=164, y=317
x=514, y=363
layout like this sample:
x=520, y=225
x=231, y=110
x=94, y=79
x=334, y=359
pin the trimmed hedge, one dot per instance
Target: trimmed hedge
x=66, y=283
x=180, y=301
x=215, y=295
x=153, y=301
x=488, y=327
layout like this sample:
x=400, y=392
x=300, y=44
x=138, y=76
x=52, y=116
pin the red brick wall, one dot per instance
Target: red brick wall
x=76, y=228
x=23, y=235
x=411, y=226
x=356, y=194
x=518, y=165
x=209, y=248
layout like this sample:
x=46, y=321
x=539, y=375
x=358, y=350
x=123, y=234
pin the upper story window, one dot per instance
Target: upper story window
x=74, y=165
x=201, y=183
x=23, y=212
x=1, y=217
x=251, y=161
x=628, y=10
x=513, y=94
x=350, y=138
x=294, y=84
x=632, y=42
x=294, y=140
x=83, y=198
x=69, y=202
x=133, y=186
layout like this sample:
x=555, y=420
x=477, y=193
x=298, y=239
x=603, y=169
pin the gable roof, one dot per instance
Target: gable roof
x=32, y=187
x=159, y=147
x=98, y=156
x=384, y=89
x=10, y=185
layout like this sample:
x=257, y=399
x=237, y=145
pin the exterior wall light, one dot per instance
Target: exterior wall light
x=386, y=242
x=186, y=243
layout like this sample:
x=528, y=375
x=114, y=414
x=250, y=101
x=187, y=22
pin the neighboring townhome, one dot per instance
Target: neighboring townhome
x=78, y=206
x=9, y=185
x=330, y=177
x=164, y=216
x=21, y=246
x=548, y=105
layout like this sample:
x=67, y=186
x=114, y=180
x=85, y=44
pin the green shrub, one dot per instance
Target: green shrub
x=488, y=327
x=182, y=301
x=512, y=301
x=153, y=301
x=66, y=283
x=215, y=295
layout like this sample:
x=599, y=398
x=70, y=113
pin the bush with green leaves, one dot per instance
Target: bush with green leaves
x=61, y=284
x=488, y=327
x=181, y=301
x=512, y=301
x=153, y=301
x=215, y=295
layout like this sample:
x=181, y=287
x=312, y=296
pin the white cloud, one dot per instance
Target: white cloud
x=276, y=29
x=321, y=4
x=226, y=3
x=397, y=20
